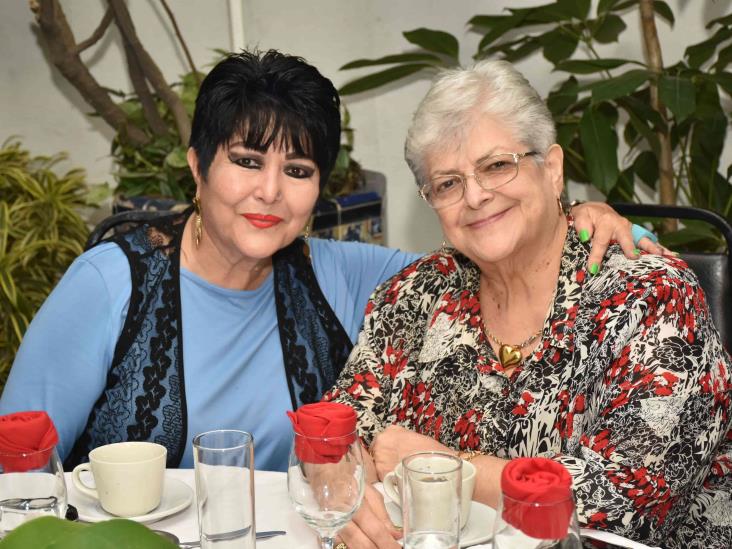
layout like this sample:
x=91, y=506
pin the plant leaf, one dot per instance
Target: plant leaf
x=664, y=11
x=389, y=59
x=723, y=58
x=563, y=97
x=698, y=54
x=608, y=29
x=434, y=40
x=559, y=44
x=576, y=8
x=724, y=21
x=645, y=166
x=678, y=94
x=589, y=66
x=600, y=144
x=625, y=84
x=378, y=79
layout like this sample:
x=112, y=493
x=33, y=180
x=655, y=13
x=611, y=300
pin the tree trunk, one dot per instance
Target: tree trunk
x=150, y=69
x=655, y=64
x=62, y=49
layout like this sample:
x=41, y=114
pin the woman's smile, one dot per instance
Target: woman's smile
x=486, y=221
x=262, y=221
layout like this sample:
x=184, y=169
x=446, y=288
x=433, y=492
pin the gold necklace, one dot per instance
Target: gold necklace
x=510, y=355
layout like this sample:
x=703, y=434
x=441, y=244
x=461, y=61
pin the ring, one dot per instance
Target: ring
x=641, y=232
x=341, y=545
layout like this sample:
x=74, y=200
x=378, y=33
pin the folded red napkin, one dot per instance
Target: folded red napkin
x=537, y=497
x=333, y=420
x=26, y=441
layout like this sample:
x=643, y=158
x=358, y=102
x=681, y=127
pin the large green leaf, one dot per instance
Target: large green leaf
x=589, y=66
x=559, y=44
x=576, y=8
x=678, y=94
x=600, y=144
x=497, y=26
x=700, y=53
x=624, y=188
x=723, y=58
x=724, y=21
x=664, y=11
x=562, y=98
x=390, y=59
x=608, y=28
x=645, y=166
x=618, y=86
x=434, y=40
x=380, y=78
x=724, y=79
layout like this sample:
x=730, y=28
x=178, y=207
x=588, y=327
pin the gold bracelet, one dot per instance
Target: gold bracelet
x=469, y=455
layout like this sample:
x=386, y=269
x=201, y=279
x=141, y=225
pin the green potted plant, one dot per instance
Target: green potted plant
x=41, y=232
x=670, y=117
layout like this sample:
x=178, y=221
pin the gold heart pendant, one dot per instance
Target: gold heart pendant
x=509, y=355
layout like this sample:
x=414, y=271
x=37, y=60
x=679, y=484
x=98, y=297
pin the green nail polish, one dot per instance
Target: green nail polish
x=584, y=235
x=594, y=269
x=636, y=251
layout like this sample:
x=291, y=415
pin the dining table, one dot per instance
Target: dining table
x=273, y=511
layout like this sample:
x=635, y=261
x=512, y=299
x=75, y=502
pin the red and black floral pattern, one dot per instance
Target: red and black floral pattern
x=629, y=387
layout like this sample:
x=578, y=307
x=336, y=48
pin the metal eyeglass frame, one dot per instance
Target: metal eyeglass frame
x=464, y=178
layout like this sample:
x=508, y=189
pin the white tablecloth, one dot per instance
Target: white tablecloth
x=274, y=512
x=272, y=504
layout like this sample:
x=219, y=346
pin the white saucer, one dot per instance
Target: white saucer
x=177, y=495
x=478, y=529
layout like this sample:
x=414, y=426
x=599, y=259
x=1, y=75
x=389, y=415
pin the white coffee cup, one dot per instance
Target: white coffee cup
x=393, y=485
x=128, y=476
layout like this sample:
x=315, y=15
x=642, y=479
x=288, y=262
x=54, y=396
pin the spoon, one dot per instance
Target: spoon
x=192, y=544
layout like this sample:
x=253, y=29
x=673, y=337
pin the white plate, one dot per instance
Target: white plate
x=177, y=495
x=478, y=529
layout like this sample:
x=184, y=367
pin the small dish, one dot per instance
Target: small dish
x=478, y=529
x=177, y=495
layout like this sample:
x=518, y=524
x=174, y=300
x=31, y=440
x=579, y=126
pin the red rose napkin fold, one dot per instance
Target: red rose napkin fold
x=333, y=420
x=26, y=441
x=537, y=497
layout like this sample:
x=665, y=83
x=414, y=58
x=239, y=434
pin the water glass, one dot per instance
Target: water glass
x=325, y=480
x=224, y=468
x=431, y=495
x=31, y=485
x=532, y=525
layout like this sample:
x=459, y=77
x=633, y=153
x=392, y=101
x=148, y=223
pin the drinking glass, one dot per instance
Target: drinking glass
x=431, y=500
x=224, y=466
x=531, y=525
x=325, y=480
x=31, y=485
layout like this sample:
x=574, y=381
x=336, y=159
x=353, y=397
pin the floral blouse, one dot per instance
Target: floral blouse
x=629, y=387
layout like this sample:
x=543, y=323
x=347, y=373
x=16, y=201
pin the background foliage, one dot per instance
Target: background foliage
x=41, y=232
x=603, y=100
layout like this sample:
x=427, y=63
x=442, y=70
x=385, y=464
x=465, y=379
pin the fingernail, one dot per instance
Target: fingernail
x=636, y=251
x=584, y=235
x=594, y=269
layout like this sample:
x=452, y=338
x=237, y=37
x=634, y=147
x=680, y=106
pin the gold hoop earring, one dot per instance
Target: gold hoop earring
x=306, y=232
x=198, y=227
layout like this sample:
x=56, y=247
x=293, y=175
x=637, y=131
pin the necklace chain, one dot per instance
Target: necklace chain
x=518, y=346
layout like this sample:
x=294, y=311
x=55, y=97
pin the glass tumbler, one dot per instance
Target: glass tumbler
x=532, y=525
x=224, y=468
x=31, y=485
x=431, y=494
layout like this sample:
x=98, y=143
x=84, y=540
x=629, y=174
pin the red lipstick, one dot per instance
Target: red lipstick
x=261, y=221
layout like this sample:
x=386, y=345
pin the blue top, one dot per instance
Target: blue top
x=233, y=366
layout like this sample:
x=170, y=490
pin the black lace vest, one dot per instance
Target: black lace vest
x=144, y=397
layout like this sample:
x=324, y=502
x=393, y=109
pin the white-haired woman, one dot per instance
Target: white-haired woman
x=508, y=345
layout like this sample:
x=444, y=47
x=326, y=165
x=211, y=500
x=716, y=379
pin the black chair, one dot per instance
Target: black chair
x=712, y=269
x=120, y=221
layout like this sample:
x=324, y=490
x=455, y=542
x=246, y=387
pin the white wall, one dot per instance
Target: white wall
x=39, y=105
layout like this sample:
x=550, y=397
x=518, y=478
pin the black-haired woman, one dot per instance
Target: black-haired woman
x=263, y=322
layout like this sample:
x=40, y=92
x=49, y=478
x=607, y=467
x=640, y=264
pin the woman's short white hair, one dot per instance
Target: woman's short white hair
x=457, y=96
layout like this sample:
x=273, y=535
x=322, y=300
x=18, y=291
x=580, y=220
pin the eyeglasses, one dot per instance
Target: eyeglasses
x=492, y=172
